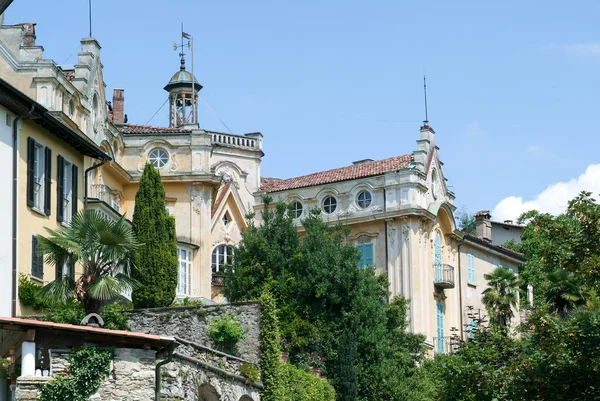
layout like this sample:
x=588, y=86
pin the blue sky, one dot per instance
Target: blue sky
x=513, y=86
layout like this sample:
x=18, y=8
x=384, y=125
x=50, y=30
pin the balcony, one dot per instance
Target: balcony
x=446, y=345
x=443, y=276
x=103, y=199
x=217, y=280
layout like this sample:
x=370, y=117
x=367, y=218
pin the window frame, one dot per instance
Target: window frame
x=220, y=259
x=157, y=158
x=332, y=204
x=365, y=202
x=185, y=265
x=298, y=209
x=39, y=176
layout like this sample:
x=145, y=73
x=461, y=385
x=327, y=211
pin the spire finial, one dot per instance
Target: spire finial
x=426, y=121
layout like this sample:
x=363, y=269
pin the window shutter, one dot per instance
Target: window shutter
x=368, y=254
x=60, y=189
x=37, y=260
x=74, y=190
x=30, y=172
x=47, y=180
x=72, y=270
x=59, y=271
x=471, y=268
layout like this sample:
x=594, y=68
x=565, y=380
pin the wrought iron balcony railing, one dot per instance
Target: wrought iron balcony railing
x=446, y=345
x=443, y=275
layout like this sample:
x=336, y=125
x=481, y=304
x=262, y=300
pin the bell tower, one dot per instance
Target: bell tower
x=183, y=91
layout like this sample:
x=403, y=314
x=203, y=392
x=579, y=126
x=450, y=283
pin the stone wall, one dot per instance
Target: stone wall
x=131, y=377
x=191, y=323
x=183, y=380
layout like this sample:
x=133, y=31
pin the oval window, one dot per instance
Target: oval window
x=364, y=199
x=329, y=204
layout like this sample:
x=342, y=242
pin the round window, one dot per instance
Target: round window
x=158, y=158
x=364, y=199
x=297, y=206
x=329, y=204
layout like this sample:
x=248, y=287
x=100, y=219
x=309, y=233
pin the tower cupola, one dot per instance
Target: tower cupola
x=183, y=91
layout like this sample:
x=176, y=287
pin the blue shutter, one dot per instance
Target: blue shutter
x=470, y=269
x=366, y=255
x=440, y=328
x=438, y=258
x=472, y=329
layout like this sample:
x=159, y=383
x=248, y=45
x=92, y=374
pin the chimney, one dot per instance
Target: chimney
x=29, y=35
x=118, y=106
x=483, y=225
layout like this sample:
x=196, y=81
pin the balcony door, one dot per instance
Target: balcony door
x=437, y=258
x=440, y=328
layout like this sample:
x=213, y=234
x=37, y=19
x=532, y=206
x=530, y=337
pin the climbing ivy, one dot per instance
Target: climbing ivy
x=87, y=367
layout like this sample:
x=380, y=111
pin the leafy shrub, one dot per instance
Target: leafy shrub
x=87, y=368
x=73, y=313
x=250, y=371
x=298, y=385
x=225, y=332
x=29, y=293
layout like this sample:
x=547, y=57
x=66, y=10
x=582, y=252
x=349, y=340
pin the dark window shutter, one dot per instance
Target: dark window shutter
x=74, y=190
x=30, y=172
x=47, y=180
x=59, y=270
x=72, y=270
x=37, y=260
x=60, y=189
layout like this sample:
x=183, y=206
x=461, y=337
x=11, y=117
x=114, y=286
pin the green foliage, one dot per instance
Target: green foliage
x=225, y=332
x=567, y=242
x=269, y=348
x=299, y=385
x=105, y=250
x=73, y=313
x=320, y=291
x=346, y=375
x=465, y=221
x=250, y=371
x=155, y=228
x=87, y=368
x=29, y=293
x=501, y=296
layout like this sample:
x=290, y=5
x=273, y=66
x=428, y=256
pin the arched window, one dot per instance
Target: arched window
x=437, y=258
x=221, y=257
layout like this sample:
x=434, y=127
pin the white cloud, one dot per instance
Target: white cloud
x=545, y=154
x=577, y=49
x=553, y=199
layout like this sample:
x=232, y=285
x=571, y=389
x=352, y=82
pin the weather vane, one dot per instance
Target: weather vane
x=182, y=46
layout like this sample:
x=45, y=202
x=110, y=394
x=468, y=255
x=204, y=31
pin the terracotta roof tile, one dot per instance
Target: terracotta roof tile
x=361, y=170
x=84, y=329
x=147, y=129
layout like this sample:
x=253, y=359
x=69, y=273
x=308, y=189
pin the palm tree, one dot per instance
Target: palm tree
x=566, y=292
x=501, y=296
x=104, y=248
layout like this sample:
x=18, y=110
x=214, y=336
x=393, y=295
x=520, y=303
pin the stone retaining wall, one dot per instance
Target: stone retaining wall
x=131, y=377
x=191, y=323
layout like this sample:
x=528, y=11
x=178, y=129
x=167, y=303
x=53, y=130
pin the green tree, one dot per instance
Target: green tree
x=320, y=291
x=157, y=260
x=346, y=375
x=269, y=348
x=466, y=221
x=501, y=296
x=105, y=250
x=565, y=291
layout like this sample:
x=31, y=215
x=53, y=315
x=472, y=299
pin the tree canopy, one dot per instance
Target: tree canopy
x=322, y=296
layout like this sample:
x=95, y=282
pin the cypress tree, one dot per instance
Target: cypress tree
x=347, y=383
x=156, y=259
x=269, y=348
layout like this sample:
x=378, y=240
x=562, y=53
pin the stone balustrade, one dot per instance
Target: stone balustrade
x=247, y=141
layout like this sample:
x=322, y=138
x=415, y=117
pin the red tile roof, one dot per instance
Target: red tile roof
x=69, y=74
x=361, y=170
x=147, y=129
x=83, y=329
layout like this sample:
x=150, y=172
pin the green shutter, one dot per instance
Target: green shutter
x=470, y=269
x=30, y=172
x=366, y=255
x=74, y=191
x=47, y=180
x=60, y=190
